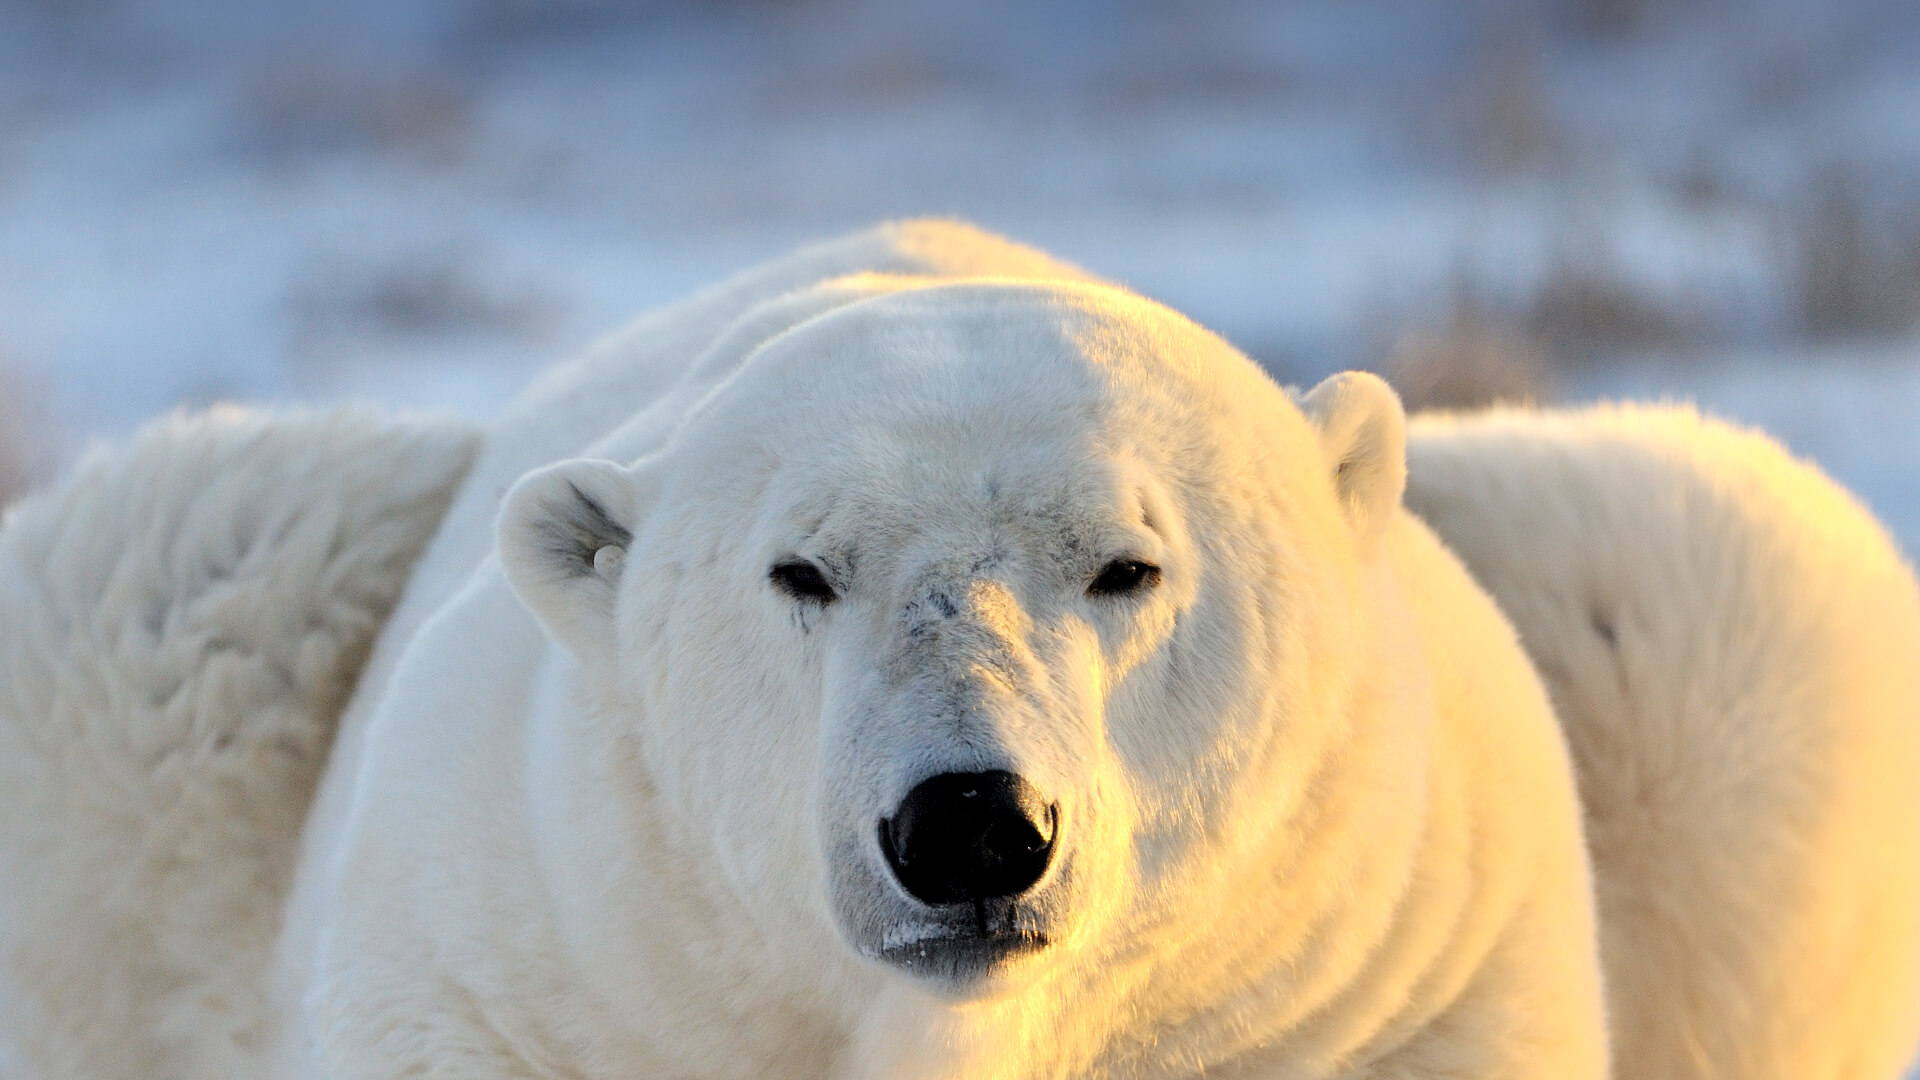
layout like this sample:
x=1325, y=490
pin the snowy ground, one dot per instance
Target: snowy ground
x=422, y=201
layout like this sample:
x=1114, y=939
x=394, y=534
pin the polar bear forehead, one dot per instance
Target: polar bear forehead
x=1059, y=417
x=981, y=367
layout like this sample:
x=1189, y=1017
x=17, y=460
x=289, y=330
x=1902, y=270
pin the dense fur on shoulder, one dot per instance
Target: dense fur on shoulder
x=181, y=622
x=1733, y=646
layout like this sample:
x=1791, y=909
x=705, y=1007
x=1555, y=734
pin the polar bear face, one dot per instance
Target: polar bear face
x=963, y=628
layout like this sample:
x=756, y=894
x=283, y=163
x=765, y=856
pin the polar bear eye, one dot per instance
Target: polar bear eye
x=1123, y=576
x=802, y=581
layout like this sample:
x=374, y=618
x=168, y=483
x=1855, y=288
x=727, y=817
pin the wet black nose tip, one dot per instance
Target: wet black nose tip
x=969, y=836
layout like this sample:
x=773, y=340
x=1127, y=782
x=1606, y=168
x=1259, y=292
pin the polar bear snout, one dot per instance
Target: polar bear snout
x=964, y=837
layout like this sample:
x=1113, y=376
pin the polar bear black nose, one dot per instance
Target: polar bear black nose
x=969, y=836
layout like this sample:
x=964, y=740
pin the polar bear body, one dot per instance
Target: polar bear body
x=1733, y=648
x=635, y=834
x=180, y=624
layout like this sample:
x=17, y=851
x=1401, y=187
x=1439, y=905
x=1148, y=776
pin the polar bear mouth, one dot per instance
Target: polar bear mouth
x=963, y=957
x=971, y=941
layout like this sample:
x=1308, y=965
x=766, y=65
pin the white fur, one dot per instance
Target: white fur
x=1320, y=822
x=1733, y=646
x=640, y=381
x=602, y=802
x=180, y=624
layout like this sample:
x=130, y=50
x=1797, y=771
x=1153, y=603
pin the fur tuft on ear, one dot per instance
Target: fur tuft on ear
x=1363, y=432
x=564, y=532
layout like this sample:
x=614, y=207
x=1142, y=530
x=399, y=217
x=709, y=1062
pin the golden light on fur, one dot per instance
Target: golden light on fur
x=620, y=708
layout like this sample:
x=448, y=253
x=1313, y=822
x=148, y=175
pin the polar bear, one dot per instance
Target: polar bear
x=915, y=657
x=1732, y=645
x=181, y=623
x=961, y=677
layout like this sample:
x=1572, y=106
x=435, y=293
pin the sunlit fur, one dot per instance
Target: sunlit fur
x=180, y=624
x=600, y=803
x=1320, y=820
x=1733, y=646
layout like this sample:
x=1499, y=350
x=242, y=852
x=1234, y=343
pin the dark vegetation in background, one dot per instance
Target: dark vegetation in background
x=304, y=105
x=1841, y=254
x=1855, y=256
x=334, y=305
x=22, y=457
x=1843, y=248
x=1846, y=254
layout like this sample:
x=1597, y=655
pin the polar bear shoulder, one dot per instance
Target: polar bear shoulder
x=181, y=622
x=1732, y=644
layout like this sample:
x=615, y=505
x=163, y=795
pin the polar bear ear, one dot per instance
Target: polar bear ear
x=1363, y=432
x=564, y=532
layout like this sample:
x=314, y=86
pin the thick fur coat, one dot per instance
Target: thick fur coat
x=603, y=802
x=1733, y=647
x=181, y=623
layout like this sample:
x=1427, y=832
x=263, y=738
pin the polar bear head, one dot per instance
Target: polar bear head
x=977, y=630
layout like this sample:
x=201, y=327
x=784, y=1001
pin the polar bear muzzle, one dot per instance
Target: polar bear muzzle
x=970, y=849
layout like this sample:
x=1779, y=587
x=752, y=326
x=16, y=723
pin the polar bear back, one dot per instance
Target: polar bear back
x=181, y=621
x=1733, y=647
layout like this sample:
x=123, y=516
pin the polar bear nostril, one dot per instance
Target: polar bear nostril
x=959, y=837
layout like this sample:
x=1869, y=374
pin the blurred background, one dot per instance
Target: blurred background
x=422, y=201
